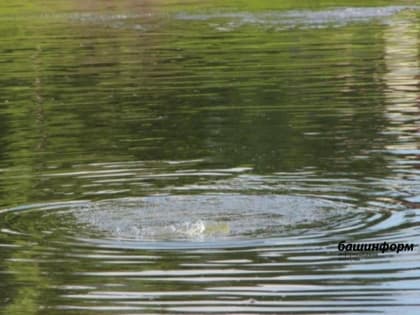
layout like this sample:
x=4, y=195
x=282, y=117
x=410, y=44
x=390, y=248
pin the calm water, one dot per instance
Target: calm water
x=164, y=157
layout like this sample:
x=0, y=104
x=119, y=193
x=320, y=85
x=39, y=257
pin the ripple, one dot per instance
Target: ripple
x=153, y=163
x=206, y=217
x=185, y=217
x=237, y=252
x=202, y=221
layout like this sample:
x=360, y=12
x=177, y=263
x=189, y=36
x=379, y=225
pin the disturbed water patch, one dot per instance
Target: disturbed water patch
x=183, y=219
x=229, y=21
x=223, y=21
x=204, y=217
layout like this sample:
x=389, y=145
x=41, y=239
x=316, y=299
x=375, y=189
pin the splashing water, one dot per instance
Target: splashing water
x=201, y=217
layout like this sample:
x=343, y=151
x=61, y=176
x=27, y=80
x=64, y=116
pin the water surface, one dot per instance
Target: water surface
x=206, y=158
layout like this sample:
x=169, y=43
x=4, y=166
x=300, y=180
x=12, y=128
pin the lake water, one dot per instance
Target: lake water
x=194, y=157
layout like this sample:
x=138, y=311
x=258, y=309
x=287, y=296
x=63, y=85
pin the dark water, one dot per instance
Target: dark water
x=207, y=158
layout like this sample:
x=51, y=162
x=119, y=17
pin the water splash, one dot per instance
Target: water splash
x=203, y=217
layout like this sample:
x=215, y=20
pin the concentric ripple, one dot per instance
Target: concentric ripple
x=201, y=217
x=202, y=221
x=146, y=255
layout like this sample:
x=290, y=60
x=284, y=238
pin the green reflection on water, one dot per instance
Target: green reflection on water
x=274, y=101
x=77, y=93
